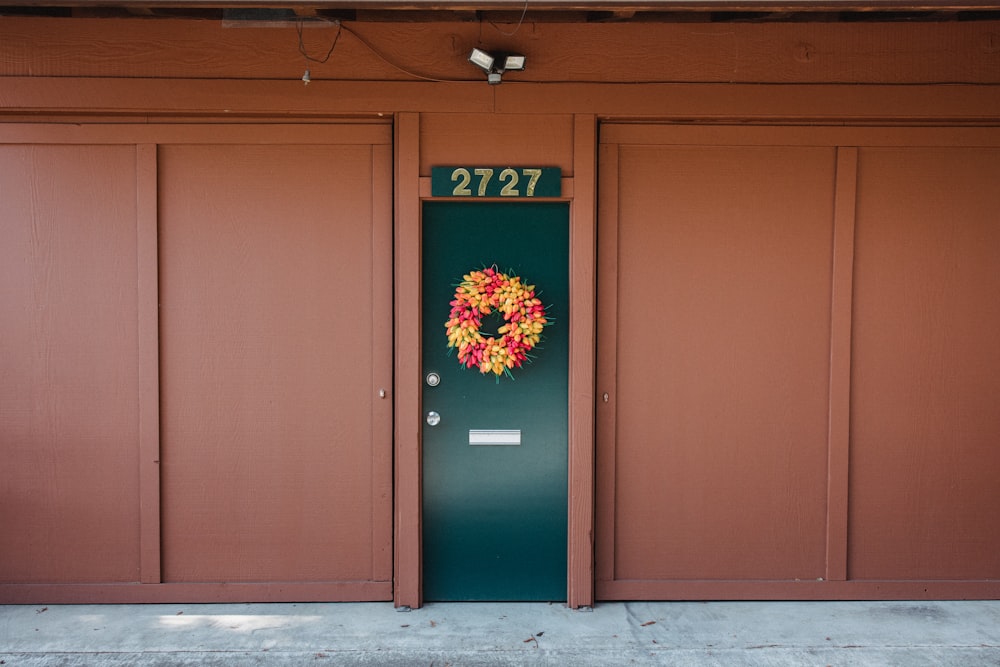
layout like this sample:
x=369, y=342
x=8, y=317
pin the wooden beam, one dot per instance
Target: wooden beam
x=408, y=590
x=714, y=103
x=958, y=52
x=799, y=590
x=230, y=592
x=553, y=5
x=583, y=281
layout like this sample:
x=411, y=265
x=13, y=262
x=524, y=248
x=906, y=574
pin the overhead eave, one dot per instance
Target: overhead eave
x=550, y=5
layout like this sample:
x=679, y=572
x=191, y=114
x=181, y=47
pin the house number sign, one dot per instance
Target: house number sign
x=515, y=182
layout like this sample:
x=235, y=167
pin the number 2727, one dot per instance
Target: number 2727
x=509, y=181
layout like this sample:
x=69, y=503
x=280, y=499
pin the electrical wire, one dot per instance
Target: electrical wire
x=405, y=71
x=302, y=46
x=524, y=13
x=343, y=28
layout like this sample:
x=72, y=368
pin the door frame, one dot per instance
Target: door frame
x=579, y=190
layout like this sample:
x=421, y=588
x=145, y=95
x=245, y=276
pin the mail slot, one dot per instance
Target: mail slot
x=495, y=437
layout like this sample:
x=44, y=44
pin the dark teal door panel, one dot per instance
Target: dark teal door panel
x=494, y=516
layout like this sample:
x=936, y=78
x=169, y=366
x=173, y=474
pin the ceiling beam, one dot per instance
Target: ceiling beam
x=619, y=8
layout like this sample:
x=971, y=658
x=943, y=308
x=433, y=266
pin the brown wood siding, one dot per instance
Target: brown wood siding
x=925, y=397
x=798, y=347
x=267, y=363
x=809, y=92
x=740, y=52
x=69, y=497
x=722, y=367
x=197, y=326
x=508, y=139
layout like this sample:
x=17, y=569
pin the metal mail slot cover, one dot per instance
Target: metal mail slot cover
x=495, y=437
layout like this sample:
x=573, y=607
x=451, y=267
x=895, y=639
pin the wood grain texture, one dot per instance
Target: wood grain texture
x=227, y=592
x=583, y=279
x=607, y=360
x=912, y=374
x=918, y=481
x=925, y=363
x=509, y=139
x=69, y=412
x=932, y=589
x=872, y=53
x=722, y=362
x=177, y=100
x=408, y=591
x=383, y=356
x=268, y=337
x=199, y=133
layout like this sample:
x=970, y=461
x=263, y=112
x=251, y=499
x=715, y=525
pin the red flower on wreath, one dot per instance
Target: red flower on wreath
x=481, y=293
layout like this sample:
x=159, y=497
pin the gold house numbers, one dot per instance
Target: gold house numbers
x=518, y=182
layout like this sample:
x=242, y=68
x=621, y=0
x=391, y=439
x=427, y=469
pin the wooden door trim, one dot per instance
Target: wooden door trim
x=408, y=591
x=583, y=276
x=579, y=191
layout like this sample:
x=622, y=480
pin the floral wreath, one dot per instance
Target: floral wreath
x=480, y=293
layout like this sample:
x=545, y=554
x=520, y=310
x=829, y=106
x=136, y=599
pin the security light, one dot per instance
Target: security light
x=496, y=65
x=481, y=59
x=513, y=62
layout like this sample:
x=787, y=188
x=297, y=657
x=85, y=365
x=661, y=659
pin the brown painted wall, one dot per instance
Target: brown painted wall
x=557, y=51
x=273, y=469
x=259, y=430
x=69, y=508
x=722, y=367
x=727, y=460
x=793, y=333
x=925, y=422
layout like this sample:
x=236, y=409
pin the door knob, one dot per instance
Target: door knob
x=433, y=418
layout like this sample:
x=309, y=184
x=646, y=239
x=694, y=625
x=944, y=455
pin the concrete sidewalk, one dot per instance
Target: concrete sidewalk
x=910, y=634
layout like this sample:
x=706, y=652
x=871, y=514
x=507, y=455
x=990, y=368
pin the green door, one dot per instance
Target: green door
x=494, y=463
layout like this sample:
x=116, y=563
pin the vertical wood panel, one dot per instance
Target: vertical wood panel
x=580, y=537
x=408, y=590
x=149, y=363
x=607, y=348
x=382, y=362
x=840, y=363
x=926, y=366
x=267, y=362
x=723, y=362
x=68, y=398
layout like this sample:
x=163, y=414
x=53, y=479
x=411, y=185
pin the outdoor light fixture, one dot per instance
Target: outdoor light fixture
x=496, y=65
